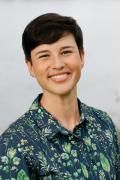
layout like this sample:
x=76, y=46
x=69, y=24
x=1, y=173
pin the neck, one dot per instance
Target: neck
x=63, y=108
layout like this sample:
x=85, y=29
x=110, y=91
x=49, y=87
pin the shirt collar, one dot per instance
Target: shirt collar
x=48, y=125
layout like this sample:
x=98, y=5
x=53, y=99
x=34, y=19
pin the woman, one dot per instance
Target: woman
x=59, y=137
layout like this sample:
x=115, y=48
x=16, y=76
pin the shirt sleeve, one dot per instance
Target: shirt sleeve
x=12, y=162
x=116, y=137
x=117, y=134
x=108, y=122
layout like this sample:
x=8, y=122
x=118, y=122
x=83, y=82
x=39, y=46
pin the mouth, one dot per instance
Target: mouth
x=60, y=77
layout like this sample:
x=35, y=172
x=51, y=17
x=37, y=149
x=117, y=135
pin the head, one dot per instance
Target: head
x=47, y=29
x=53, y=47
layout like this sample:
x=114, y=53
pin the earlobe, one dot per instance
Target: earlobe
x=32, y=75
x=82, y=55
x=30, y=68
x=83, y=62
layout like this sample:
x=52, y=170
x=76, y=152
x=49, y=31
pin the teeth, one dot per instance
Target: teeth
x=60, y=77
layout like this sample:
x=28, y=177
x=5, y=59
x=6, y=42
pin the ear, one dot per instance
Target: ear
x=82, y=56
x=30, y=68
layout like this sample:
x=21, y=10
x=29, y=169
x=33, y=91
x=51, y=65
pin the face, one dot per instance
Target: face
x=57, y=66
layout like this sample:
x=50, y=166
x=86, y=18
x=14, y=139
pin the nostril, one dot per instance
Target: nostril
x=68, y=73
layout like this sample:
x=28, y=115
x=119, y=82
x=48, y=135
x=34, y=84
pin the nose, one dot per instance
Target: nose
x=57, y=62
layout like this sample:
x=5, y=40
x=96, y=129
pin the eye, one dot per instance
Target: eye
x=44, y=56
x=66, y=52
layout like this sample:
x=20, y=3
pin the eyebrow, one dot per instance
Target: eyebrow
x=66, y=47
x=46, y=51
x=43, y=51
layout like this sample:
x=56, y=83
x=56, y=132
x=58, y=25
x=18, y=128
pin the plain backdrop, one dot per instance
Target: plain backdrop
x=100, y=82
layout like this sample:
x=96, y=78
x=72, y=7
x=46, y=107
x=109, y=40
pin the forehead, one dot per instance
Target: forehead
x=66, y=40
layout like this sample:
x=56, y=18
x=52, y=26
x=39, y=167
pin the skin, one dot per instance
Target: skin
x=59, y=93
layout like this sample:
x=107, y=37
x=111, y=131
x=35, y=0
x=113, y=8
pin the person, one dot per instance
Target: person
x=59, y=137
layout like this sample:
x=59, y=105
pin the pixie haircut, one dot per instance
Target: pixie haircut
x=47, y=29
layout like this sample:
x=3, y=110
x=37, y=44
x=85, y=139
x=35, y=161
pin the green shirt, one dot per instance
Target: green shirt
x=36, y=147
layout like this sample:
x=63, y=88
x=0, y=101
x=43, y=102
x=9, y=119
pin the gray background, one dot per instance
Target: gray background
x=99, y=85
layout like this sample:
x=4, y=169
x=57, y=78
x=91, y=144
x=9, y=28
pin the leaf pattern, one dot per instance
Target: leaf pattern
x=109, y=135
x=102, y=175
x=67, y=147
x=36, y=146
x=104, y=162
x=84, y=170
x=11, y=152
x=22, y=175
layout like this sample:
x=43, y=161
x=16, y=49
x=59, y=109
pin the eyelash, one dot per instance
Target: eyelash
x=66, y=52
x=63, y=53
x=44, y=56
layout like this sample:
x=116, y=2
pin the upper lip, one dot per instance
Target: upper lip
x=55, y=74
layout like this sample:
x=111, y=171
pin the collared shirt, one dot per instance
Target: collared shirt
x=37, y=146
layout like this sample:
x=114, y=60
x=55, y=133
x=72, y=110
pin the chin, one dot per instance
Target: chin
x=63, y=92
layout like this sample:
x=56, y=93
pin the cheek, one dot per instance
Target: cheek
x=39, y=69
x=75, y=63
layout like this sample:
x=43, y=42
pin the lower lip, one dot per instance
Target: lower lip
x=61, y=78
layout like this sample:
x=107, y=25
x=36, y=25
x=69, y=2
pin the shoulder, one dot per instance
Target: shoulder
x=14, y=147
x=101, y=117
x=101, y=121
x=20, y=129
x=19, y=140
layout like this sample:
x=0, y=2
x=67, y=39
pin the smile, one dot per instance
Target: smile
x=60, y=77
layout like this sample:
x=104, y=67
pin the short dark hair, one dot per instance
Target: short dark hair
x=47, y=29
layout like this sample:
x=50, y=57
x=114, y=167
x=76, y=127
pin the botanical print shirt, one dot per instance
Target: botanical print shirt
x=37, y=147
